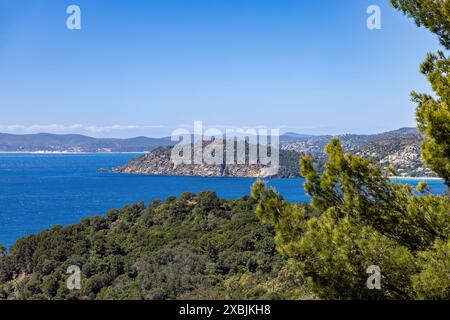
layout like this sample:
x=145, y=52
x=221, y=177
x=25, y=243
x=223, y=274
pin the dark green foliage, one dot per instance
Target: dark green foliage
x=196, y=246
x=2, y=250
x=433, y=112
x=432, y=14
x=359, y=218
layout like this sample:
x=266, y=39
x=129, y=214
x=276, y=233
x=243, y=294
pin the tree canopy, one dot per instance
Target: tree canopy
x=433, y=113
x=191, y=247
x=358, y=218
x=433, y=14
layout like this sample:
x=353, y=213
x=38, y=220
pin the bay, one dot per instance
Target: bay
x=38, y=191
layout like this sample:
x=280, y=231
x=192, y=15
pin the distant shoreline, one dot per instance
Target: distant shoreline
x=144, y=152
x=417, y=178
x=67, y=152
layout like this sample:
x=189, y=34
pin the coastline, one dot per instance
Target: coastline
x=67, y=152
x=416, y=178
x=145, y=152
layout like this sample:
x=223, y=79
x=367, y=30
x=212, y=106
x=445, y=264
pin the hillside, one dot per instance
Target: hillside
x=315, y=145
x=401, y=153
x=193, y=247
x=400, y=149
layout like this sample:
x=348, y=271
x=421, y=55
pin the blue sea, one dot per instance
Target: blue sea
x=38, y=191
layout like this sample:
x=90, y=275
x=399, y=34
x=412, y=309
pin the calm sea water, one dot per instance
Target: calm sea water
x=38, y=191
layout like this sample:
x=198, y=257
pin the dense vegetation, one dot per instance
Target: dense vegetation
x=190, y=247
x=433, y=112
x=358, y=218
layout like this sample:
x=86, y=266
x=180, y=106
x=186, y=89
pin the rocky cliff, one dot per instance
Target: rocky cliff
x=158, y=162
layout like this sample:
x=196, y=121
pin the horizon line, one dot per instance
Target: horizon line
x=286, y=133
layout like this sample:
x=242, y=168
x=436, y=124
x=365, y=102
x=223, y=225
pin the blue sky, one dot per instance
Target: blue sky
x=148, y=67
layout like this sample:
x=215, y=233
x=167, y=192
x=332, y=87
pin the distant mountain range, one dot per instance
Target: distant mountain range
x=399, y=149
x=46, y=142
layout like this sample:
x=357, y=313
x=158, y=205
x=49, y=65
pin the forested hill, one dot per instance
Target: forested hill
x=193, y=247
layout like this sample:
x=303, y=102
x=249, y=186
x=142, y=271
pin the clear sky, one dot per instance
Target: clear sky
x=148, y=67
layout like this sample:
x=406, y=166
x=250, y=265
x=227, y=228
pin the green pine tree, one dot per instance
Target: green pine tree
x=433, y=113
x=358, y=218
